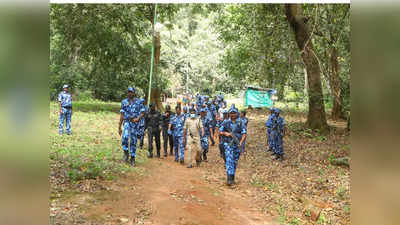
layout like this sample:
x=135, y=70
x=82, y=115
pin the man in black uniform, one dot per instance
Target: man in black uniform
x=153, y=129
x=165, y=118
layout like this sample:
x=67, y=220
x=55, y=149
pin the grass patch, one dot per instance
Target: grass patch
x=96, y=106
x=94, y=149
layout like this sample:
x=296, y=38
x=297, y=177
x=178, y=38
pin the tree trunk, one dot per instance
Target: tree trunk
x=337, y=109
x=316, y=118
x=155, y=96
x=157, y=47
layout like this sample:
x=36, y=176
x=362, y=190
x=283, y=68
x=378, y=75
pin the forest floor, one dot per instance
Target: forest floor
x=90, y=184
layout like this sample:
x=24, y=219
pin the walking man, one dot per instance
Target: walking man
x=65, y=103
x=206, y=122
x=167, y=138
x=278, y=131
x=130, y=116
x=153, y=130
x=193, y=128
x=177, y=124
x=233, y=130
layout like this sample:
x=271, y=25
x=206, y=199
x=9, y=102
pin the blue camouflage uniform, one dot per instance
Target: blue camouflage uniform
x=66, y=106
x=232, y=151
x=130, y=109
x=213, y=111
x=199, y=103
x=206, y=122
x=268, y=124
x=178, y=122
x=187, y=115
x=277, y=125
x=211, y=120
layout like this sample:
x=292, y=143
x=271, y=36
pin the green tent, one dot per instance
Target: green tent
x=259, y=97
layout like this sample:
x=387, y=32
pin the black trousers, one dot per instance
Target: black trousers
x=167, y=138
x=156, y=136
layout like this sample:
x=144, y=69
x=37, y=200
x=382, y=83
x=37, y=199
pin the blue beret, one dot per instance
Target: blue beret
x=277, y=111
x=203, y=110
x=131, y=89
x=224, y=111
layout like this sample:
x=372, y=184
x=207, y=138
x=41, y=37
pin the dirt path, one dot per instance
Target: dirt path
x=173, y=194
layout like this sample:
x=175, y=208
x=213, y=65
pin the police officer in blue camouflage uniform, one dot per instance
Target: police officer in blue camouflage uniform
x=207, y=106
x=131, y=109
x=206, y=122
x=199, y=103
x=65, y=102
x=232, y=126
x=213, y=113
x=268, y=124
x=177, y=124
x=278, y=131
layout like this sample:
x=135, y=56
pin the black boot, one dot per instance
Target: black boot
x=229, y=180
x=125, y=158
x=233, y=179
x=158, y=153
x=133, y=161
x=182, y=161
x=150, y=155
x=205, y=157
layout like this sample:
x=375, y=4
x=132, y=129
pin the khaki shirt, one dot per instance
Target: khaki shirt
x=193, y=125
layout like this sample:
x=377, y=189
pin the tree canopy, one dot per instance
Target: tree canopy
x=100, y=49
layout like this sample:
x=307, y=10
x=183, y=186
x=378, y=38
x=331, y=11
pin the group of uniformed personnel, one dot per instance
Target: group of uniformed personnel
x=190, y=130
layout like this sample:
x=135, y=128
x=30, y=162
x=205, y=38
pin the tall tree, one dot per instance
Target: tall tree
x=316, y=118
x=334, y=30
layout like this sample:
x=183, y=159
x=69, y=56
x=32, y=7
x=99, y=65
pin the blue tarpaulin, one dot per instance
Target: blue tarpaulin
x=259, y=97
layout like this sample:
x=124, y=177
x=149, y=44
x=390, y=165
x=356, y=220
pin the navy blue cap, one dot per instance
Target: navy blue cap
x=233, y=110
x=131, y=89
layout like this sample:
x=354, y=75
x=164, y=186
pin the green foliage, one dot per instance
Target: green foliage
x=321, y=219
x=294, y=221
x=341, y=193
x=102, y=47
